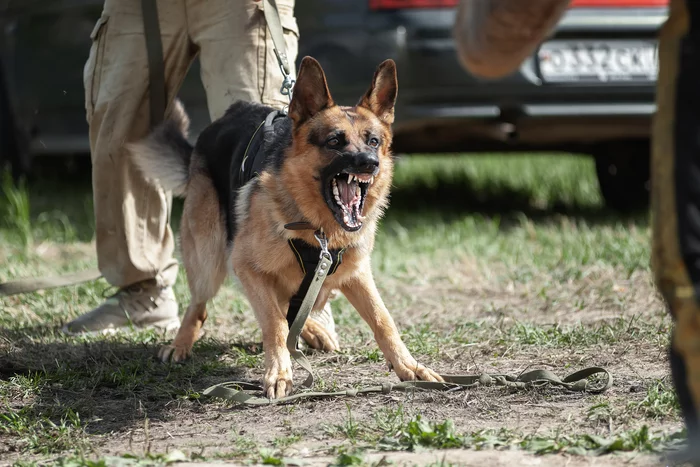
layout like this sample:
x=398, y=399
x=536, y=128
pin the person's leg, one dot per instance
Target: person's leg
x=134, y=240
x=236, y=51
x=238, y=63
x=676, y=201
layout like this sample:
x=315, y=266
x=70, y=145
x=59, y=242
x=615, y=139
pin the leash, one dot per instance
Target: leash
x=157, y=101
x=33, y=284
x=240, y=392
x=299, y=308
x=274, y=24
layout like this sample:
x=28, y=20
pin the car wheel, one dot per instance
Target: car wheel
x=13, y=148
x=624, y=175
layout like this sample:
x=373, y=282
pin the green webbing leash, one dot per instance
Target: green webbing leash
x=319, y=276
x=274, y=25
x=33, y=284
x=238, y=392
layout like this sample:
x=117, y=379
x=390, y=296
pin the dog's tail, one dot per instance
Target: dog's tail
x=164, y=155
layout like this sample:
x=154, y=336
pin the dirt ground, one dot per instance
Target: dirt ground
x=143, y=416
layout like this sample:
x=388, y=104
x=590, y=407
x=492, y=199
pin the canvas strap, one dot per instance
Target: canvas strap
x=243, y=392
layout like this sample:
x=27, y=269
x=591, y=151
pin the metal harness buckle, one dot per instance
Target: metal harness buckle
x=288, y=83
x=323, y=243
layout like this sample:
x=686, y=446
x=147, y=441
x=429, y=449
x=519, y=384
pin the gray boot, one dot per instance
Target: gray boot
x=142, y=305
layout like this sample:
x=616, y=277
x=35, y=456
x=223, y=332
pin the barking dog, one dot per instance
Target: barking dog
x=323, y=164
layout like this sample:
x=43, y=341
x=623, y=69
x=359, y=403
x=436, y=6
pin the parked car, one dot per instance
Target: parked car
x=589, y=88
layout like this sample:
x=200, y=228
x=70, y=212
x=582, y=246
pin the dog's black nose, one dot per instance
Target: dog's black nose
x=365, y=162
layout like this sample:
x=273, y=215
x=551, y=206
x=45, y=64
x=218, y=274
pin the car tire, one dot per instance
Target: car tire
x=13, y=148
x=624, y=175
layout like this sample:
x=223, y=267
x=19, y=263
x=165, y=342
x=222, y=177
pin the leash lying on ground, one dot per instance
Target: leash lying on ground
x=32, y=284
x=238, y=392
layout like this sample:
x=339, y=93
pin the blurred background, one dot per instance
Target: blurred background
x=588, y=90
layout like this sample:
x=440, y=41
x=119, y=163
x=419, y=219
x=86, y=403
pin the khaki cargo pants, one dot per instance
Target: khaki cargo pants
x=134, y=238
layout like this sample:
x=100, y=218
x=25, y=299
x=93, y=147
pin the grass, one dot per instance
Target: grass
x=487, y=263
x=660, y=401
x=412, y=433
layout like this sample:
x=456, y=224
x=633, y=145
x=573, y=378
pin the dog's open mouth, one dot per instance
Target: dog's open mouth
x=347, y=198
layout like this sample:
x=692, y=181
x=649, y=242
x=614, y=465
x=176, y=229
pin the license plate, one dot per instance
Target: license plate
x=598, y=61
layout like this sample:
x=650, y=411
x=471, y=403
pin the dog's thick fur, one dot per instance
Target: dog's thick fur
x=243, y=230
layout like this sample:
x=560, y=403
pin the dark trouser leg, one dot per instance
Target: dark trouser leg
x=676, y=199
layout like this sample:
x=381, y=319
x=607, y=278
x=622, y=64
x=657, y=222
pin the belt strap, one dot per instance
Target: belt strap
x=156, y=64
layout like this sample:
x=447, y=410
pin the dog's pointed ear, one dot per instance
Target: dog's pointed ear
x=311, y=94
x=381, y=96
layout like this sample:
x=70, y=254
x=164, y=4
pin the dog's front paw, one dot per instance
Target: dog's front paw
x=278, y=379
x=174, y=353
x=319, y=337
x=411, y=370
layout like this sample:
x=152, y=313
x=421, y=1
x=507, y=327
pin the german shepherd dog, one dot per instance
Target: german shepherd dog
x=329, y=166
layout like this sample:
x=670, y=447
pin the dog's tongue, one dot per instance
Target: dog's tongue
x=347, y=192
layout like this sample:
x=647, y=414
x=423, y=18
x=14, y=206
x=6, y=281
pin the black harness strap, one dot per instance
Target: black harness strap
x=156, y=64
x=308, y=257
x=254, y=158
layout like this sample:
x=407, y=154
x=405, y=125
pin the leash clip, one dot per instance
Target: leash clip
x=323, y=243
x=287, y=84
x=286, y=90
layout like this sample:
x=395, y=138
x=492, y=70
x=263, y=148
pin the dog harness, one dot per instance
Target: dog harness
x=308, y=257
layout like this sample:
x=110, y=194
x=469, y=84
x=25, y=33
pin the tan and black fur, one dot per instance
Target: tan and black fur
x=242, y=229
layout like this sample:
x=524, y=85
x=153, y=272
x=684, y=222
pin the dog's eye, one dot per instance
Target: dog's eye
x=333, y=142
x=373, y=142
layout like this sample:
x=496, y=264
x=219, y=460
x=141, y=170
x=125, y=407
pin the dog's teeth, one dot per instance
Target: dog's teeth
x=358, y=191
x=335, y=189
x=371, y=180
x=351, y=177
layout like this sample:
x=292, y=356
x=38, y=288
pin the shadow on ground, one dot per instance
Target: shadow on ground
x=113, y=383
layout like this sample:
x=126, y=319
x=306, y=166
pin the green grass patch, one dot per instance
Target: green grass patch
x=394, y=430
